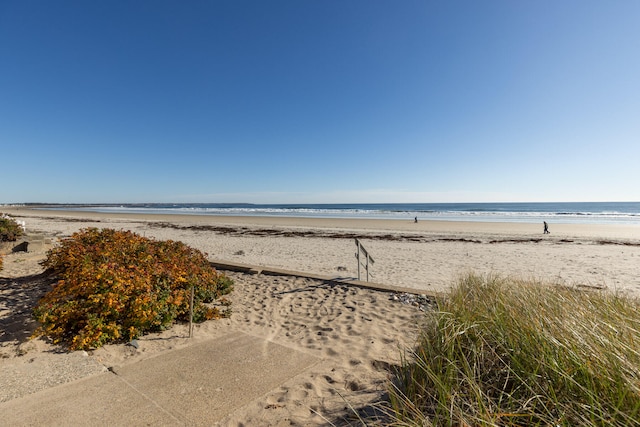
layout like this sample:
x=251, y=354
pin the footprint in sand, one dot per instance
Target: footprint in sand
x=330, y=352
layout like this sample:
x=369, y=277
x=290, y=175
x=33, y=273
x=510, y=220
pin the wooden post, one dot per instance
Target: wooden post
x=367, y=257
x=367, y=267
x=358, y=257
x=191, y=314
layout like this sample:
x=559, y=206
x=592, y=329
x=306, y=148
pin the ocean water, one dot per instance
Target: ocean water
x=581, y=213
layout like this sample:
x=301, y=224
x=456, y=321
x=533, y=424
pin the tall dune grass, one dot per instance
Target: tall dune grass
x=504, y=352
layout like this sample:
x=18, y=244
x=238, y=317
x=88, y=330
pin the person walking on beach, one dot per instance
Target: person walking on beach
x=546, y=227
x=415, y=220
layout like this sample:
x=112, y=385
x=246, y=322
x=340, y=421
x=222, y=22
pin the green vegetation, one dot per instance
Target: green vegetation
x=500, y=352
x=116, y=285
x=10, y=230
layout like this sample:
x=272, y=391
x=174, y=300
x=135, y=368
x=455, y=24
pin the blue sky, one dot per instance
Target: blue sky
x=319, y=101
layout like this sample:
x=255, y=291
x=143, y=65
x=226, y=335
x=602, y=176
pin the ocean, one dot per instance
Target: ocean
x=579, y=213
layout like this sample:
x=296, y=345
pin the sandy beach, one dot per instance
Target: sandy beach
x=426, y=256
x=355, y=332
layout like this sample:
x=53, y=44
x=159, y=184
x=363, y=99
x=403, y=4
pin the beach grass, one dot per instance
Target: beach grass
x=502, y=352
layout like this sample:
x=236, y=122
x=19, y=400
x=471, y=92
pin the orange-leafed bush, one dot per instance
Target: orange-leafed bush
x=10, y=230
x=0, y=262
x=117, y=285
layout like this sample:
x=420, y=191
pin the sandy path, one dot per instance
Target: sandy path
x=357, y=334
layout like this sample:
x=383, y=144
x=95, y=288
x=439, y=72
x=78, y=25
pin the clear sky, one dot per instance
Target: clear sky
x=310, y=101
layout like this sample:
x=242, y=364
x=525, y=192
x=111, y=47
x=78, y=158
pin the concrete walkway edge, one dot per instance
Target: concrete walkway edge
x=350, y=281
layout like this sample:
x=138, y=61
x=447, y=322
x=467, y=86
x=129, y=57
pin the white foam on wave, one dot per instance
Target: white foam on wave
x=476, y=215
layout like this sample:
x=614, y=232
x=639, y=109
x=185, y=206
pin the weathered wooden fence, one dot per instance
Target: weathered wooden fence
x=368, y=260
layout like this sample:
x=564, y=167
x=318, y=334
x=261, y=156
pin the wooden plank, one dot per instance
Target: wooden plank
x=364, y=251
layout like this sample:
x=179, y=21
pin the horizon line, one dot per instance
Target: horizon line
x=27, y=204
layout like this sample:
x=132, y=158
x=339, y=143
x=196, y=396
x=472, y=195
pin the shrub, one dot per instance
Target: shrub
x=1, y=262
x=10, y=230
x=500, y=352
x=116, y=285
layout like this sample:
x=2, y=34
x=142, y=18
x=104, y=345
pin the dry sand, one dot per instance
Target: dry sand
x=356, y=332
x=426, y=256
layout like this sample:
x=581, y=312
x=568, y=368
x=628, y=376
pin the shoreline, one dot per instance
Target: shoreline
x=605, y=231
